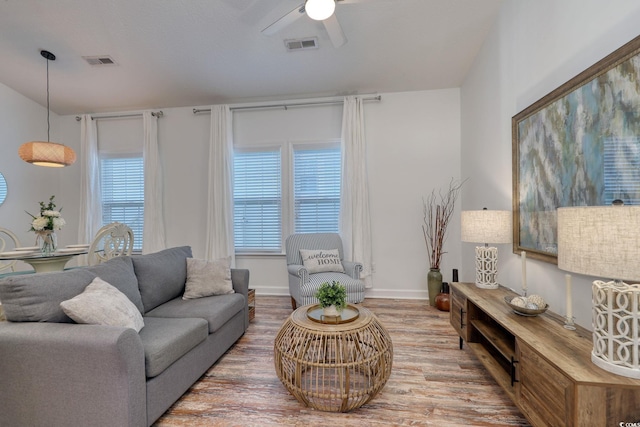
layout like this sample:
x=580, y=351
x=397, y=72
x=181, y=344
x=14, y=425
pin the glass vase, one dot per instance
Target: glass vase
x=47, y=241
x=434, y=284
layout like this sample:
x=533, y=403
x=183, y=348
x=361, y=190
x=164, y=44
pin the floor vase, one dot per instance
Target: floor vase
x=434, y=285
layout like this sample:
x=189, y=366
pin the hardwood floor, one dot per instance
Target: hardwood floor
x=432, y=383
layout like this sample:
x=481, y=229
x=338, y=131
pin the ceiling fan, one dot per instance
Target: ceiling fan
x=319, y=10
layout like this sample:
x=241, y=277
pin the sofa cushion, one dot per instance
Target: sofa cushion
x=216, y=310
x=167, y=340
x=207, y=278
x=161, y=275
x=119, y=273
x=37, y=297
x=103, y=304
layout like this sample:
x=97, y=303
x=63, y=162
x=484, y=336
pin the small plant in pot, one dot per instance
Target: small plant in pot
x=332, y=297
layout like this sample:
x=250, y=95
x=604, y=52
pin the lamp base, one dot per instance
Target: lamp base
x=486, y=267
x=616, y=337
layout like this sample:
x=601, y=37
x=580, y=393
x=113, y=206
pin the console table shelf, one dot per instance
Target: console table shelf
x=543, y=367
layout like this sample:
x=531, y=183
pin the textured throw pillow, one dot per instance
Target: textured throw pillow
x=119, y=273
x=103, y=304
x=321, y=260
x=207, y=278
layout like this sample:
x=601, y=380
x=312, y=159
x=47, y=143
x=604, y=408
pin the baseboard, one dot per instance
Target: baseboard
x=369, y=293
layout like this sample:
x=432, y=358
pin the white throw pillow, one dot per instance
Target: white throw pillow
x=321, y=260
x=207, y=278
x=103, y=304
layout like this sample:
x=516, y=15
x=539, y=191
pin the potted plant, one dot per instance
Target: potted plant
x=332, y=297
x=438, y=210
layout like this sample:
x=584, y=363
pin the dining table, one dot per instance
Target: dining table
x=41, y=263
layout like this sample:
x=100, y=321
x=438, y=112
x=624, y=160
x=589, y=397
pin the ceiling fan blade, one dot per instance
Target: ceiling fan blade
x=285, y=21
x=334, y=29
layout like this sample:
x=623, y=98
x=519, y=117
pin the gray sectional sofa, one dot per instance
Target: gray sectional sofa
x=54, y=372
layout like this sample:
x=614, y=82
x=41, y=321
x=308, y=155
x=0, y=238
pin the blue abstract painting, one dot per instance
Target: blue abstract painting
x=581, y=149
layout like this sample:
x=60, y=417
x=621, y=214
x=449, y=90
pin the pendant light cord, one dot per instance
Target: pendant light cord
x=48, y=123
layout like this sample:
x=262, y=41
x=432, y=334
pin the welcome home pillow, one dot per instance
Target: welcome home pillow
x=321, y=260
x=103, y=304
x=207, y=278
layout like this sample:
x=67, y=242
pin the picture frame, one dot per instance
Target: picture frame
x=579, y=145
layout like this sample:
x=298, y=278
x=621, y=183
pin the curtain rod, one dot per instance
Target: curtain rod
x=118, y=116
x=285, y=106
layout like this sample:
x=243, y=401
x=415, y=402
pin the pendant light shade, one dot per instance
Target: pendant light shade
x=319, y=10
x=46, y=153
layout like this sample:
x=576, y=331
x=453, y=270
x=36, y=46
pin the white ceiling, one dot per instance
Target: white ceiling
x=175, y=53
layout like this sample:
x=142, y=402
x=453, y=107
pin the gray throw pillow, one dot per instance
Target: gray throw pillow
x=103, y=304
x=161, y=275
x=207, y=278
x=321, y=260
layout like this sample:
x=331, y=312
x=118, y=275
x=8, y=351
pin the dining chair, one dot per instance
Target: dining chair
x=8, y=240
x=112, y=240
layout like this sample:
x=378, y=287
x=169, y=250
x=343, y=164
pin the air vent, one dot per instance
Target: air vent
x=99, y=60
x=301, y=44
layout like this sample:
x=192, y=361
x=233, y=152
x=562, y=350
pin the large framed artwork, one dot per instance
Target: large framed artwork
x=577, y=146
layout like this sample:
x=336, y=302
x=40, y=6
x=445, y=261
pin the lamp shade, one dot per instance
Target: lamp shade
x=46, y=153
x=320, y=10
x=43, y=153
x=487, y=226
x=602, y=241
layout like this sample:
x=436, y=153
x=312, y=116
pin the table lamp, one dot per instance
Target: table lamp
x=486, y=226
x=604, y=241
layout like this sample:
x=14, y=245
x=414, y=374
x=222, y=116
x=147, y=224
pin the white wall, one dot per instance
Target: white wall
x=533, y=48
x=22, y=120
x=413, y=147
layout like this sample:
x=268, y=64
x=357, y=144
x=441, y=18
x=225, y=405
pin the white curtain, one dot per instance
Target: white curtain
x=355, y=218
x=220, y=195
x=153, y=236
x=90, y=219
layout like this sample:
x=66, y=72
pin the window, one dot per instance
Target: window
x=257, y=190
x=316, y=190
x=122, y=182
x=272, y=200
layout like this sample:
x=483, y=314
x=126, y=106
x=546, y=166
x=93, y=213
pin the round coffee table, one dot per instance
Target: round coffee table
x=333, y=364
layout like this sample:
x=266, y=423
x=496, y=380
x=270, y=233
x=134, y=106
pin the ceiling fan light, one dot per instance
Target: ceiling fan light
x=44, y=153
x=320, y=10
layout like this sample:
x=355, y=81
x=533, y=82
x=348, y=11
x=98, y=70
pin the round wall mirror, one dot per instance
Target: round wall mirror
x=3, y=188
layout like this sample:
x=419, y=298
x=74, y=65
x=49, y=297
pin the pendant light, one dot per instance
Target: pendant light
x=47, y=153
x=319, y=10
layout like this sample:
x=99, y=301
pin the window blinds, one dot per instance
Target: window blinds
x=122, y=180
x=316, y=190
x=257, y=215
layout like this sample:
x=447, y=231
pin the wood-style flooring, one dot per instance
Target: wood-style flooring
x=432, y=383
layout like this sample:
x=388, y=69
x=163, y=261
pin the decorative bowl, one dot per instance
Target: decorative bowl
x=522, y=311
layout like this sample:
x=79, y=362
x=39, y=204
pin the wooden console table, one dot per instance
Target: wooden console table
x=544, y=368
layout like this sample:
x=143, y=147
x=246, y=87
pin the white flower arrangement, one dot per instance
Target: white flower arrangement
x=49, y=218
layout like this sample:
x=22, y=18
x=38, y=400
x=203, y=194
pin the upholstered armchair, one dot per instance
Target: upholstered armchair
x=304, y=281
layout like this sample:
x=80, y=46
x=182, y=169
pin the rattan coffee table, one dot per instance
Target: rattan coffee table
x=333, y=364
